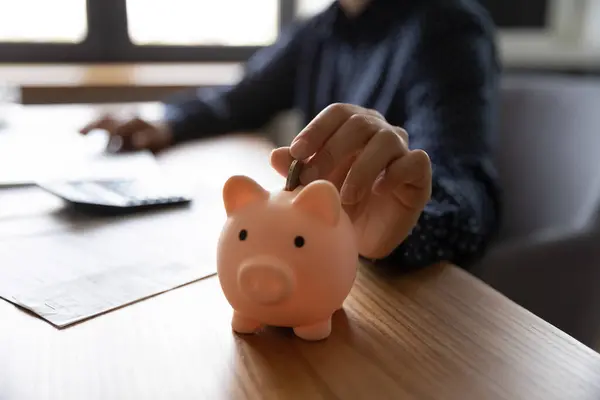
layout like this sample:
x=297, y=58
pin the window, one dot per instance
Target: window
x=308, y=8
x=138, y=30
x=538, y=20
x=511, y=14
x=71, y=28
x=546, y=33
x=231, y=30
x=198, y=23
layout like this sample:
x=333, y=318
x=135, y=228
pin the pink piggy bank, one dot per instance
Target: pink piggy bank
x=285, y=258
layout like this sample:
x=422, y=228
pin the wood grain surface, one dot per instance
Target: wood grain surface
x=433, y=334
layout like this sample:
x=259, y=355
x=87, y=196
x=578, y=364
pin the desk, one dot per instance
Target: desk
x=434, y=334
x=98, y=83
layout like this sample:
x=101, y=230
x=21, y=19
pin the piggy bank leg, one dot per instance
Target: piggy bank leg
x=319, y=331
x=241, y=324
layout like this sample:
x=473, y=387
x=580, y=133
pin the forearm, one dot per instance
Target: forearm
x=205, y=112
x=266, y=89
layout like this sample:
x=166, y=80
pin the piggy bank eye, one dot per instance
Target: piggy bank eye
x=299, y=241
x=243, y=234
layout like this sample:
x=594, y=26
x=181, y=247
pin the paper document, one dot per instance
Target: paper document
x=27, y=159
x=73, y=275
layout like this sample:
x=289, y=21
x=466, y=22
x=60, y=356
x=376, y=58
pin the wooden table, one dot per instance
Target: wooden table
x=434, y=334
x=98, y=83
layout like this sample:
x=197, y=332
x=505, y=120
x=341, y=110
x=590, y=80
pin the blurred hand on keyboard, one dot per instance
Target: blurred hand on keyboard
x=132, y=134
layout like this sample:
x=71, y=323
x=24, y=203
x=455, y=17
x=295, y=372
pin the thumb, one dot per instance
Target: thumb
x=281, y=159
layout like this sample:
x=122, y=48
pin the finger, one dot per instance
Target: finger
x=281, y=159
x=130, y=127
x=349, y=140
x=338, y=176
x=328, y=121
x=106, y=122
x=402, y=133
x=409, y=178
x=383, y=148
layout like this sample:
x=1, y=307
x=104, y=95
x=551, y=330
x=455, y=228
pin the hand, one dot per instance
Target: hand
x=132, y=134
x=384, y=186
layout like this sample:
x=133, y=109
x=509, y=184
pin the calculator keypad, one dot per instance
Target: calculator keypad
x=120, y=193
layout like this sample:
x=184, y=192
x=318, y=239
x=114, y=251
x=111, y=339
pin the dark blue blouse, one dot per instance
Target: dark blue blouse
x=429, y=66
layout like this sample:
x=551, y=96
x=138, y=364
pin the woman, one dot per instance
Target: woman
x=398, y=98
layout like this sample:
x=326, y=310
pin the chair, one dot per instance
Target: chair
x=547, y=257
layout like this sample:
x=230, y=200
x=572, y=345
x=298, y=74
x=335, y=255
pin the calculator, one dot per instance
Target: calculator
x=120, y=195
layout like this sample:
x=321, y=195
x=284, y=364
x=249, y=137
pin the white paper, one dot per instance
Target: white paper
x=68, y=268
x=86, y=296
x=26, y=159
x=98, y=266
x=122, y=166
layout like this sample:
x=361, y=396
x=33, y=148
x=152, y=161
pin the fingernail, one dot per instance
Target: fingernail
x=298, y=149
x=350, y=194
x=309, y=174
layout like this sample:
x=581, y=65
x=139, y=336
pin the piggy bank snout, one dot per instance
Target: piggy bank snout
x=265, y=280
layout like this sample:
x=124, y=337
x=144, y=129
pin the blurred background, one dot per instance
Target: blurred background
x=546, y=258
x=540, y=35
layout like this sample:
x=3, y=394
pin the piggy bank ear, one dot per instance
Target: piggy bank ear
x=321, y=200
x=239, y=191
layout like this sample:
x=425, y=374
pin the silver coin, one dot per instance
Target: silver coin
x=293, y=178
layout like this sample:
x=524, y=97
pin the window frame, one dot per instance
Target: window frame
x=107, y=41
x=571, y=30
x=565, y=19
x=567, y=41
